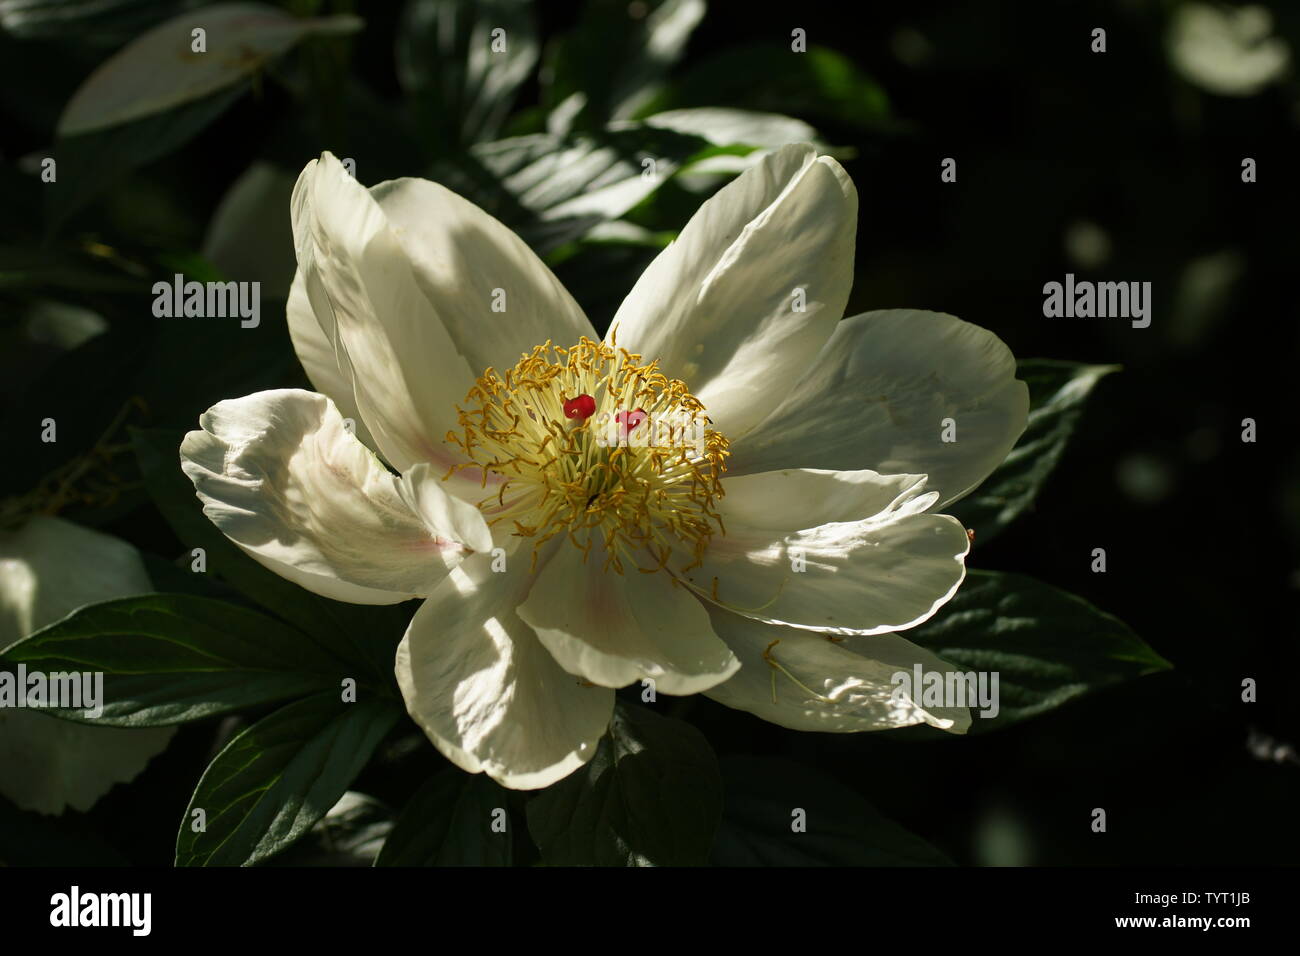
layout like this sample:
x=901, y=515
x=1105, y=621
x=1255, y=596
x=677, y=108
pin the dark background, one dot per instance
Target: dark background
x=1200, y=529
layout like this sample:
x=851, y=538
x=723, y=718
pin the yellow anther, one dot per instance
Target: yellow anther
x=654, y=494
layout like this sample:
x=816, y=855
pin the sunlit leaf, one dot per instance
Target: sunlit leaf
x=161, y=69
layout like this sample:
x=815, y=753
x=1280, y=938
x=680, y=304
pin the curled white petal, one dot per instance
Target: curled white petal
x=741, y=303
x=282, y=477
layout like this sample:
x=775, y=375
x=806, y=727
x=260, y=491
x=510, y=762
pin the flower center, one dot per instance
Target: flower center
x=592, y=442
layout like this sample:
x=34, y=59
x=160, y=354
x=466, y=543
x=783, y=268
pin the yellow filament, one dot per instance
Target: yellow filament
x=776, y=665
x=642, y=500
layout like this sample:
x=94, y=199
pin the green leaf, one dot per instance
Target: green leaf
x=597, y=272
x=617, y=62
x=1058, y=392
x=651, y=796
x=820, y=85
x=88, y=164
x=463, y=88
x=557, y=187
x=172, y=658
x=731, y=127
x=157, y=93
x=351, y=834
x=365, y=638
x=169, y=577
x=552, y=188
x=449, y=823
x=271, y=784
x=29, y=267
x=160, y=70
x=1045, y=645
x=839, y=828
x=604, y=175
x=95, y=21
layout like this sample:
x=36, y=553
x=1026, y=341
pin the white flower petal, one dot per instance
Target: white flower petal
x=281, y=476
x=426, y=494
x=48, y=568
x=316, y=353
x=466, y=261
x=717, y=307
x=805, y=681
x=877, y=398
x=406, y=373
x=615, y=629
x=486, y=692
x=808, y=497
x=885, y=572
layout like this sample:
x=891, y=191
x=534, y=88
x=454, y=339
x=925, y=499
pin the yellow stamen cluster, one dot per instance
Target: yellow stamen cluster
x=566, y=476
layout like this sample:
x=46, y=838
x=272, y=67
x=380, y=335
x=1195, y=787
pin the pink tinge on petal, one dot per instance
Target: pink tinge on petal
x=437, y=545
x=475, y=475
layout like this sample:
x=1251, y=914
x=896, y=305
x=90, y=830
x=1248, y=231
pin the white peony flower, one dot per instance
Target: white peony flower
x=763, y=551
x=48, y=568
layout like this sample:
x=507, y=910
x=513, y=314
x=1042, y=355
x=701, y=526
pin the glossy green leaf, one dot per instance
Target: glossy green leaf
x=618, y=56
x=1046, y=646
x=463, y=62
x=272, y=783
x=1058, y=393
x=651, y=796
x=820, y=85
x=172, y=658
x=455, y=819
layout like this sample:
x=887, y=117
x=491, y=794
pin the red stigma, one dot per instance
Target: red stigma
x=629, y=420
x=580, y=408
